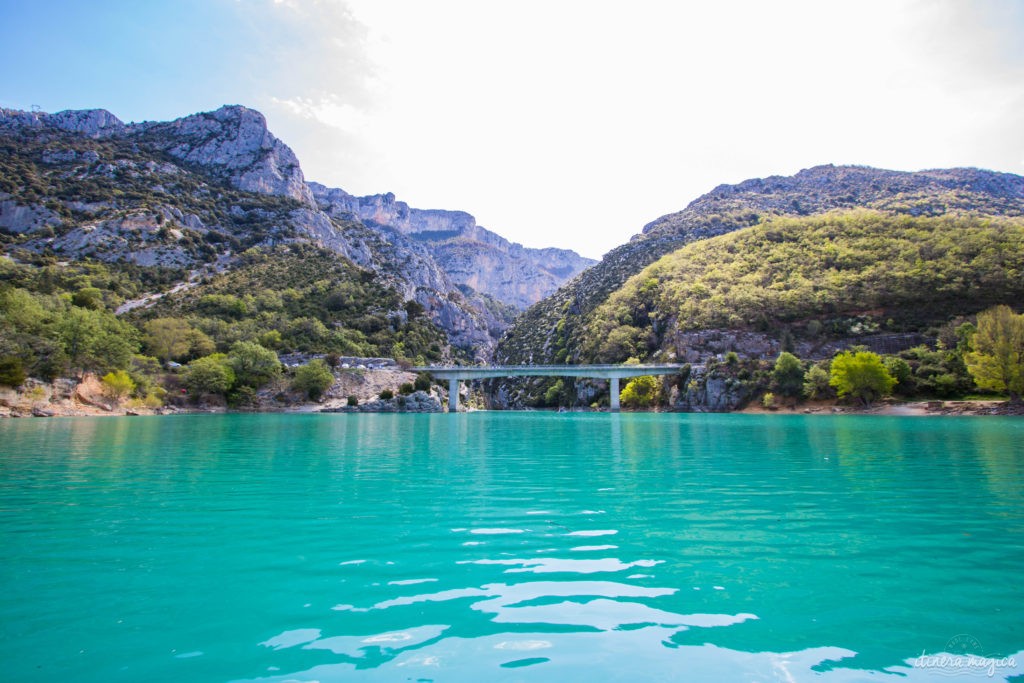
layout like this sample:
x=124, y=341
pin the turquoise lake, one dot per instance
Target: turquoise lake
x=511, y=547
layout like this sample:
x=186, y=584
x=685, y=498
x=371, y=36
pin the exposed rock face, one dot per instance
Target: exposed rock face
x=233, y=141
x=709, y=393
x=409, y=265
x=19, y=218
x=469, y=254
x=417, y=402
x=828, y=187
x=92, y=123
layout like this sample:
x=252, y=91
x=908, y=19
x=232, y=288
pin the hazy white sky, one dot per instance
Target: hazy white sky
x=556, y=123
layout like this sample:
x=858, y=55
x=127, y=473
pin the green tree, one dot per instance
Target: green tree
x=168, y=338
x=997, y=359
x=901, y=372
x=209, y=375
x=862, y=375
x=88, y=297
x=620, y=343
x=816, y=383
x=96, y=340
x=12, y=371
x=937, y=372
x=199, y=344
x=117, y=385
x=271, y=339
x=313, y=378
x=788, y=375
x=254, y=365
x=23, y=311
x=553, y=396
x=641, y=392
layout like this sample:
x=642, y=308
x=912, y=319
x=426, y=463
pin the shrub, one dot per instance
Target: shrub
x=313, y=378
x=88, y=297
x=241, y=397
x=554, y=393
x=168, y=338
x=209, y=375
x=386, y=395
x=816, y=383
x=641, y=392
x=117, y=385
x=352, y=401
x=768, y=401
x=901, y=372
x=154, y=399
x=422, y=382
x=12, y=371
x=253, y=364
x=861, y=375
x=788, y=375
x=406, y=388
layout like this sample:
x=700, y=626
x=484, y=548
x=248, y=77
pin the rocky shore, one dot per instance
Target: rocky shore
x=416, y=402
x=80, y=398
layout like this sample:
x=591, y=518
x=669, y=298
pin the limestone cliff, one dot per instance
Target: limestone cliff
x=469, y=254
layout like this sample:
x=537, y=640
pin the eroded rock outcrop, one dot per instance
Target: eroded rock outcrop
x=469, y=255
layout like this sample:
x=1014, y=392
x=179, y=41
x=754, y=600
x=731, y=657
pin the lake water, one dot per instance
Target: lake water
x=511, y=547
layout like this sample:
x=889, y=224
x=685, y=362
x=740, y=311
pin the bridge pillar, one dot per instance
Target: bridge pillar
x=453, y=395
x=615, y=394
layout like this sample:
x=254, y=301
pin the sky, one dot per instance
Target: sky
x=566, y=123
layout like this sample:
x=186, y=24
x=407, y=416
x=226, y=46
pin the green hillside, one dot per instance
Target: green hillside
x=543, y=333
x=301, y=298
x=836, y=275
x=58, y=320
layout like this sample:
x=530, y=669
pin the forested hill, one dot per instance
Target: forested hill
x=550, y=330
x=811, y=280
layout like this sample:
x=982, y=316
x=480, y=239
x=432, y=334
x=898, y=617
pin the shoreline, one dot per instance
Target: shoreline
x=949, y=408
x=85, y=398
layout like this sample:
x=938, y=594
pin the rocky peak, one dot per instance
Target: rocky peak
x=233, y=141
x=93, y=123
x=864, y=182
x=827, y=187
x=386, y=210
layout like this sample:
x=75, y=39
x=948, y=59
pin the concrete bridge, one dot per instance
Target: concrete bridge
x=454, y=374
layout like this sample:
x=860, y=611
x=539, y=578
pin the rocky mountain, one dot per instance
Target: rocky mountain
x=574, y=324
x=470, y=254
x=194, y=193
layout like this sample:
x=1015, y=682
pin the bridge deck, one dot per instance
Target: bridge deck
x=600, y=371
x=455, y=374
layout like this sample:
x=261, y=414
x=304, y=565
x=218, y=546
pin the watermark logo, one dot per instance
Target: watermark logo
x=961, y=657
